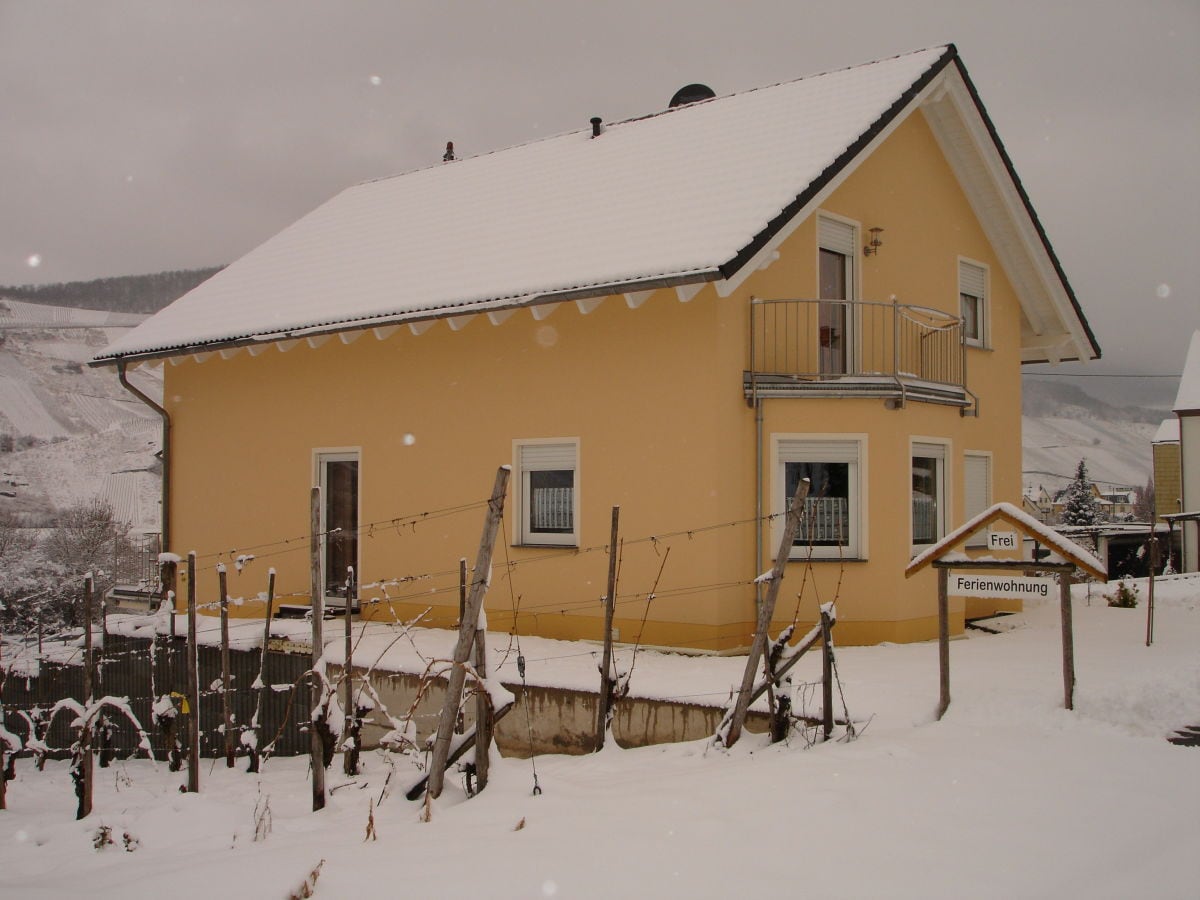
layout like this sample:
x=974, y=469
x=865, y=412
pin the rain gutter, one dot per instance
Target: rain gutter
x=166, y=452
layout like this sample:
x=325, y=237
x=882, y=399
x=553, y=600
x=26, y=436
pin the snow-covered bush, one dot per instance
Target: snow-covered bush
x=43, y=571
x=1124, y=595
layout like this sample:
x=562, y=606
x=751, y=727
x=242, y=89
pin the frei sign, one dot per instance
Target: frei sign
x=1003, y=540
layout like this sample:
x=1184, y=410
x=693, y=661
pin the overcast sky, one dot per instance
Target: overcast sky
x=143, y=136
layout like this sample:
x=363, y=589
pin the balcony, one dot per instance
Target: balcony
x=848, y=348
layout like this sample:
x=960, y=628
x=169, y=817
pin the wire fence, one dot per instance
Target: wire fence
x=143, y=671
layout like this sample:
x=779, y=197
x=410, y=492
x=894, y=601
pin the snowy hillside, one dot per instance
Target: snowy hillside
x=1062, y=425
x=72, y=433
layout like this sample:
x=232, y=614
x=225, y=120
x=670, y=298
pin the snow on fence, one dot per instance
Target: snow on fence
x=145, y=670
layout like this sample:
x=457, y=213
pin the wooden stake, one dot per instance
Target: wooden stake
x=466, y=633
x=193, y=680
x=826, y=675
x=484, y=716
x=350, y=731
x=317, y=597
x=85, y=733
x=943, y=642
x=1150, y=588
x=1068, y=640
x=4, y=748
x=256, y=750
x=226, y=710
x=604, y=702
x=462, y=588
x=766, y=612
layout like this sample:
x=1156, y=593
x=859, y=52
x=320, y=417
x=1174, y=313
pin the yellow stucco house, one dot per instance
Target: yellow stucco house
x=681, y=315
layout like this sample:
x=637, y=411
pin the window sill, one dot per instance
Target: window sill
x=534, y=545
x=828, y=559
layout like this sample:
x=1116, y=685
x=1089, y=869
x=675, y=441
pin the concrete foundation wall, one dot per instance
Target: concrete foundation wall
x=547, y=720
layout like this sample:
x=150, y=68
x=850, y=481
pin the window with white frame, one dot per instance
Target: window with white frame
x=972, y=300
x=977, y=491
x=549, y=495
x=928, y=492
x=832, y=524
x=337, y=476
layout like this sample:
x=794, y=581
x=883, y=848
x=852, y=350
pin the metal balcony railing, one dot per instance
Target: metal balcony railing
x=856, y=348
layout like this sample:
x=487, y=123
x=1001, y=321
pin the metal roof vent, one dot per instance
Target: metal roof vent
x=692, y=93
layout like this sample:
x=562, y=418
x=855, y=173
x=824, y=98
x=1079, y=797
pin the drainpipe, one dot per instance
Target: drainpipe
x=758, y=496
x=166, y=452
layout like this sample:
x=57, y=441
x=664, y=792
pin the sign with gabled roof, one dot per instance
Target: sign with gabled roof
x=1071, y=552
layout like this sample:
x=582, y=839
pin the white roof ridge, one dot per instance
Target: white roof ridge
x=679, y=199
x=629, y=120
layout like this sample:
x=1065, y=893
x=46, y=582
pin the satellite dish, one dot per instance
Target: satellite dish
x=692, y=93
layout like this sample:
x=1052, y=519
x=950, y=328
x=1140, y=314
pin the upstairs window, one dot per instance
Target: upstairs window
x=972, y=300
x=548, y=510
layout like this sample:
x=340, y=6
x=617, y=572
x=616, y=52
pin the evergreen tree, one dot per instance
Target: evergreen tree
x=1079, y=503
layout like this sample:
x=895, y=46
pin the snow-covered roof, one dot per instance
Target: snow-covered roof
x=686, y=196
x=1188, y=398
x=1168, y=432
x=16, y=314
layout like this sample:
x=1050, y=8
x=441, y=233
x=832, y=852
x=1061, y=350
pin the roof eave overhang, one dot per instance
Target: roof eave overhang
x=434, y=314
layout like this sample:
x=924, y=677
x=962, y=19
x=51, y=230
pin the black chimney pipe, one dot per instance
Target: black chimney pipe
x=596, y=120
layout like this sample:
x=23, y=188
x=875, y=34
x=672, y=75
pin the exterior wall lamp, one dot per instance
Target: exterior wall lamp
x=875, y=243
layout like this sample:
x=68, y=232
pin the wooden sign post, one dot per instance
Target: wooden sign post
x=1074, y=556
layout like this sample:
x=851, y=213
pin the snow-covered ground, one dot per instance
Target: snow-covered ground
x=1009, y=795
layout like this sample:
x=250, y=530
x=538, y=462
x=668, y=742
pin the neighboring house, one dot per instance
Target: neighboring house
x=1037, y=503
x=1187, y=408
x=1168, y=487
x=1120, y=504
x=682, y=315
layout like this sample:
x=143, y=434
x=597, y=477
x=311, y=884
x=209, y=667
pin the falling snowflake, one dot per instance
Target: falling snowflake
x=1163, y=291
x=375, y=80
x=409, y=439
x=33, y=260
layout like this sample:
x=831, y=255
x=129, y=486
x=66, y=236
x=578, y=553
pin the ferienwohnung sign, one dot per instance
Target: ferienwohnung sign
x=1009, y=586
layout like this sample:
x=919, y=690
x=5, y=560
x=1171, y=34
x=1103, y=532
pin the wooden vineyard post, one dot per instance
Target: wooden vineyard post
x=4, y=748
x=84, y=778
x=766, y=612
x=168, y=571
x=193, y=680
x=462, y=588
x=317, y=597
x=826, y=675
x=1154, y=562
x=1068, y=639
x=484, y=714
x=604, y=705
x=349, y=713
x=226, y=710
x=255, y=724
x=466, y=634
x=943, y=641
